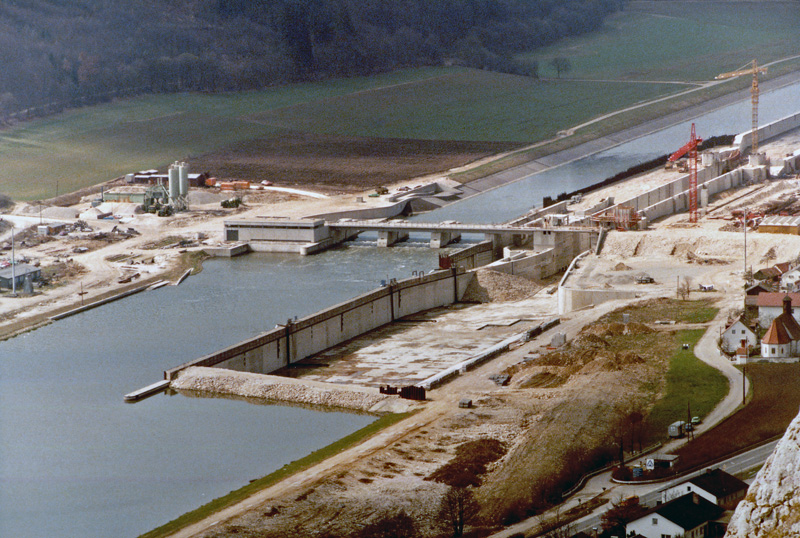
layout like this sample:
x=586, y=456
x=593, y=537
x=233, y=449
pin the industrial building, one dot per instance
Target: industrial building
x=18, y=273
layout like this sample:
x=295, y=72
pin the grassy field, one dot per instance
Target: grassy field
x=681, y=41
x=773, y=406
x=690, y=383
x=262, y=483
x=648, y=41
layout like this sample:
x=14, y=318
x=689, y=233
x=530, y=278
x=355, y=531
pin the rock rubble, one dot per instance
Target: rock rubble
x=218, y=381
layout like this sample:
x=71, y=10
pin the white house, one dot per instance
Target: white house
x=688, y=515
x=782, y=340
x=770, y=306
x=790, y=280
x=734, y=336
x=715, y=486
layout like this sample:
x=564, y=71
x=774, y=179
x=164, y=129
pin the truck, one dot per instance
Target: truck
x=677, y=429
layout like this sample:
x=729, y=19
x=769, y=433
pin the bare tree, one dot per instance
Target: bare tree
x=684, y=288
x=561, y=65
x=622, y=512
x=458, y=508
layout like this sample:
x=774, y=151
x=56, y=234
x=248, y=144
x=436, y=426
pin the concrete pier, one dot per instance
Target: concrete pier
x=442, y=239
x=387, y=238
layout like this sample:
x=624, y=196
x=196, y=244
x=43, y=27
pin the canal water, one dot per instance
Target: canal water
x=76, y=461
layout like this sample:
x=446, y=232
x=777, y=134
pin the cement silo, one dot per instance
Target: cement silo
x=183, y=171
x=174, y=182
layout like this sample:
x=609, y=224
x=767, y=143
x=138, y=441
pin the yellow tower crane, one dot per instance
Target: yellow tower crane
x=753, y=70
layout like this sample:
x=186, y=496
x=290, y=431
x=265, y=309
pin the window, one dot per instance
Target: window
x=655, y=521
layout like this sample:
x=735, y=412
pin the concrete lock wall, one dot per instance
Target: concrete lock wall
x=473, y=256
x=745, y=140
x=308, y=336
x=575, y=299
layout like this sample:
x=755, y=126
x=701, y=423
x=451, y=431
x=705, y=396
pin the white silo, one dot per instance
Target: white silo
x=174, y=181
x=183, y=170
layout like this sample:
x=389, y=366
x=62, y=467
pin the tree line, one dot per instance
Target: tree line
x=72, y=52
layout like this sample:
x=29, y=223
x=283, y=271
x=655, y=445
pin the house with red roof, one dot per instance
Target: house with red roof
x=781, y=342
x=770, y=306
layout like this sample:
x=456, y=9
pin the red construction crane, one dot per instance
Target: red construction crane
x=691, y=149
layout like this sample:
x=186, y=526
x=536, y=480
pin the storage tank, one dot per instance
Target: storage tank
x=174, y=182
x=183, y=171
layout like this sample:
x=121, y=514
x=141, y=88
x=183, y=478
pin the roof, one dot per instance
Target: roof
x=719, y=483
x=20, y=269
x=776, y=299
x=687, y=511
x=768, y=272
x=776, y=334
x=782, y=267
x=778, y=220
x=755, y=289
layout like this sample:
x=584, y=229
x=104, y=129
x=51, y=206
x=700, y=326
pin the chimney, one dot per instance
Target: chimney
x=787, y=305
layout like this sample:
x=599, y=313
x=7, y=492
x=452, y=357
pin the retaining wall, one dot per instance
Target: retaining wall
x=310, y=335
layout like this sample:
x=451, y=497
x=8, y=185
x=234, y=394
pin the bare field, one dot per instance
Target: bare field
x=341, y=163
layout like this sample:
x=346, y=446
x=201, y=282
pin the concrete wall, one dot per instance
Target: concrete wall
x=366, y=213
x=312, y=334
x=788, y=123
x=473, y=256
x=571, y=299
x=560, y=207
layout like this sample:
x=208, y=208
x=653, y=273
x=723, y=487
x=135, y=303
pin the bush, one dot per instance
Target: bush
x=5, y=201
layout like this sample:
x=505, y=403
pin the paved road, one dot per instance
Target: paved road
x=651, y=495
x=601, y=485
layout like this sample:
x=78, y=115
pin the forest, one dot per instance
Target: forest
x=65, y=53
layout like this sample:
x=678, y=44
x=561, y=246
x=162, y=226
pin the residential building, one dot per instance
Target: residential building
x=686, y=516
x=770, y=306
x=737, y=335
x=716, y=486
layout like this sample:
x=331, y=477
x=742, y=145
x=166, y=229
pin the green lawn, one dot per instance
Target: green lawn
x=690, y=382
x=465, y=105
x=683, y=41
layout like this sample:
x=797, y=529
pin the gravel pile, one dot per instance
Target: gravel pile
x=218, y=381
x=493, y=286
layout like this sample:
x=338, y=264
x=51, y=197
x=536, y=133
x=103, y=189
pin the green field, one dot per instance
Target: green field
x=663, y=41
x=690, y=382
x=679, y=41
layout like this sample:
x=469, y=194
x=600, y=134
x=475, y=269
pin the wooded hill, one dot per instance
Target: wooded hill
x=58, y=53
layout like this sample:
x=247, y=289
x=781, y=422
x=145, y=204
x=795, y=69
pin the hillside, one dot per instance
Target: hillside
x=59, y=53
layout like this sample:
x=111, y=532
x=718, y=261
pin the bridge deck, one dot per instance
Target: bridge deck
x=405, y=226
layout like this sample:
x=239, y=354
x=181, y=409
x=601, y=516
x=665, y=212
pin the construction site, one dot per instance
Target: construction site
x=539, y=409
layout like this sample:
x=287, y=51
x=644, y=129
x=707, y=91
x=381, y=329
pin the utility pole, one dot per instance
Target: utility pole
x=13, y=267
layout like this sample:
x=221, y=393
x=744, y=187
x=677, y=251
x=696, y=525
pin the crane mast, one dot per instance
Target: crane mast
x=753, y=70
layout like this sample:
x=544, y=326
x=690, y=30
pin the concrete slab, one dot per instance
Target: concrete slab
x=415, y=349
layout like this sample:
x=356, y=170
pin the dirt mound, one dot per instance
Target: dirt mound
x=637, y=328
x=622, y=267
x=543, y=380
x=589, y=340
x=493, y=286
